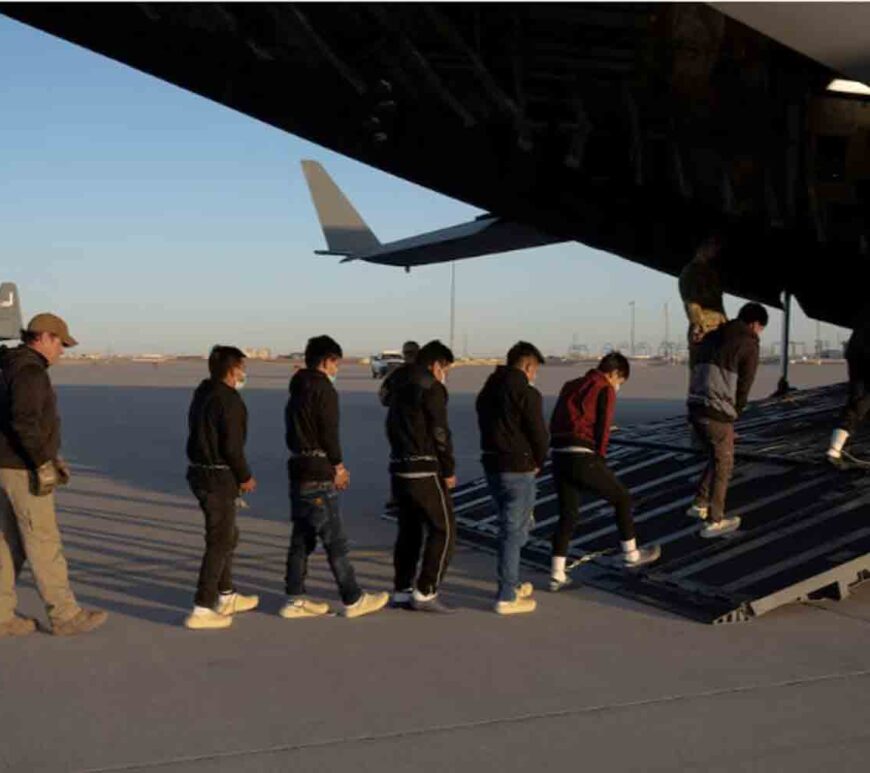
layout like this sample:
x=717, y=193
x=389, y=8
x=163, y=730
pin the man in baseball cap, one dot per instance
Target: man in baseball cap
x=54, y=326
x=30, y=468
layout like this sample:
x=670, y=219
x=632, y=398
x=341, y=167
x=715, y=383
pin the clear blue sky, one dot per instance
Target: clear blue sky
x=155, y=220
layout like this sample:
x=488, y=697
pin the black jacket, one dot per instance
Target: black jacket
x=417, y=426
x=513, y=435
x=385, y=393
x=217, y=428
x=29, y=421
x=311, y=422
x=724, y=371
x=858, y=348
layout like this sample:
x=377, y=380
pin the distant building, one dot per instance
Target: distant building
x=258, y=354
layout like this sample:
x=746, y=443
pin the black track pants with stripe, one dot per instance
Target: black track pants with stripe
x=426, y=522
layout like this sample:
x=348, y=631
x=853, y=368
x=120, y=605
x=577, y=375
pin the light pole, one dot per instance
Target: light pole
x=667, y=331
x=632, y=304
x=452, y=302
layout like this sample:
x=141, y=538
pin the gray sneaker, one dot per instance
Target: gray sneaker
x=644, y=556
x=401, y=599
x=715, y=529
x=431, y=605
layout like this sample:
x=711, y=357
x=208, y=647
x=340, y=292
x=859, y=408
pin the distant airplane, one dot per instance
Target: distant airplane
x=348, y=235
x=10, y=312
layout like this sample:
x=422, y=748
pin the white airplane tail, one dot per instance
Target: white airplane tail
x=10, y=312
x=345, y=231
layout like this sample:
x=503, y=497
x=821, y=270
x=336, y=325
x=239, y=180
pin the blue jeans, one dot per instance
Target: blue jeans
x=514, y=496
x=315, y=515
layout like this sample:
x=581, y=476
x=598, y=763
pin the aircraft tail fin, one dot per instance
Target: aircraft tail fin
x=345, y=231
x=10, y=312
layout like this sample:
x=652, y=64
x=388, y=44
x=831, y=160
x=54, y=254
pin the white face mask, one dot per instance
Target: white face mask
x=241, y=381
x=332, y=377
x=617, y=387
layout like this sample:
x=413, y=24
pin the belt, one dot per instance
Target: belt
x=316, y=454
x=414, y=459
x=572, y=450
x=209, y=466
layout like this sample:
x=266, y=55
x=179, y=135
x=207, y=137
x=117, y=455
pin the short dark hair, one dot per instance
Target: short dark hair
x=615, y=361
x=434, y=352
x=321, y=348
x=753, y=312
x=411, y=346
x=29, y=336
x=223, y=359
x=522, y=350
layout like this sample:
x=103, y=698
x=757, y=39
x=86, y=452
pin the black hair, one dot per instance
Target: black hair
x=522, y=350
x=321, y=348
x=411, y=345
x=29, y=336
x=223, y=359
x=615, y=361
x=434, y=352
x=753, y=312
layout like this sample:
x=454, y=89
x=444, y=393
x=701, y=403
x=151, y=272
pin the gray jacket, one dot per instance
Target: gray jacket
x=724, y=370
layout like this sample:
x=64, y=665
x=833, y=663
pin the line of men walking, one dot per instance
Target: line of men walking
x=515, y=442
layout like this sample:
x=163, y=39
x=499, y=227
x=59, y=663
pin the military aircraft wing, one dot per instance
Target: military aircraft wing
x=10, y=312
x=348, y=235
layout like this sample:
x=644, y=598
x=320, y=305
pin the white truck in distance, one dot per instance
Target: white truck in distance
x=386, y=362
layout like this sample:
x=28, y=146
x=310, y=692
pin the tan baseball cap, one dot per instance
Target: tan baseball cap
x=50, y=323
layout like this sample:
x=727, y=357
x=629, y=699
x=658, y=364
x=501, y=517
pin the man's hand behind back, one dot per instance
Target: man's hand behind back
x=342, y=478
x=249, y=486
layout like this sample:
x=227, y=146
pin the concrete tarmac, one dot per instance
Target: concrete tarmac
x=590, y=681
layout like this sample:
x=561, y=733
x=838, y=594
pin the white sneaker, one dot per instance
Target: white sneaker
x=720, y=528
x=203, y=618
x=641, y=556
x=519, y=606
x=233, y=603
x=301, y=607
x=698, y=511
x=366, y=604
x=556, y=583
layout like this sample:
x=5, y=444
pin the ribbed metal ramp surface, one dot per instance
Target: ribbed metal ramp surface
x=805, y=531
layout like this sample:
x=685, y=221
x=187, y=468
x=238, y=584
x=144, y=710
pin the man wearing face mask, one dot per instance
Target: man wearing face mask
x=317, y=475
x=217, y=473
x=579, y=436
x=30, y=468
x=422, y=470
x=513, y=439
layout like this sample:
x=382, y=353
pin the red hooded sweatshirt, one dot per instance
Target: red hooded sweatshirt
x=584, y=413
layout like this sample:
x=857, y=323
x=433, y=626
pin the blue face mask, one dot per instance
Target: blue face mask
x=332, y=377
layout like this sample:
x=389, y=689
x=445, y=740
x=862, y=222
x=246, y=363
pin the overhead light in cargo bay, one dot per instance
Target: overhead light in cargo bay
x=849, y=87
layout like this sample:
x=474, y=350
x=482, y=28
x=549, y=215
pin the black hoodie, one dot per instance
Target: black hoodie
x=513, y=435
x=311, y=422
x=218, y=424
x=29, y=421
x=417, y=428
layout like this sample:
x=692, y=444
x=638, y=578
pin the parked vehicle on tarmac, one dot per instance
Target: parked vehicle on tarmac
x=385, y=363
